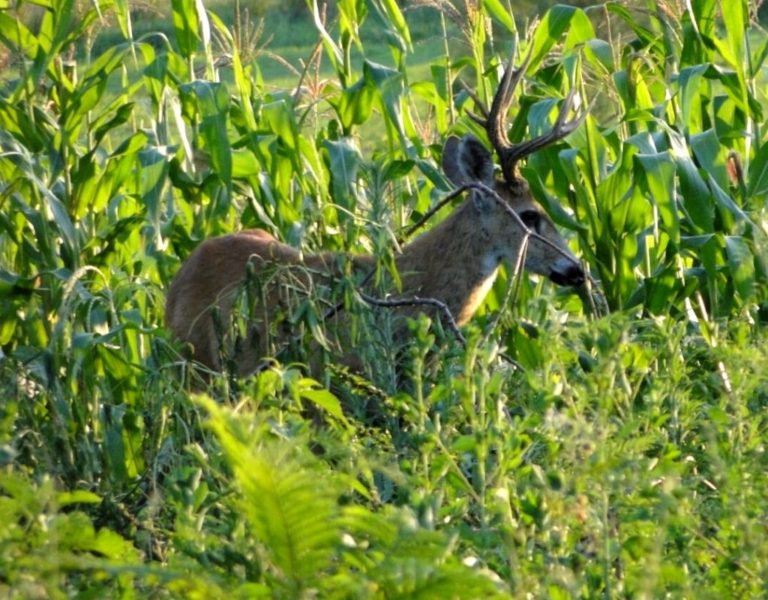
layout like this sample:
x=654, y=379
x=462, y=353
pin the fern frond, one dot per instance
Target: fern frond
x=288, y=500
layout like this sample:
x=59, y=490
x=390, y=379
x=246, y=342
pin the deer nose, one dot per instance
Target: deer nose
x=568, y=274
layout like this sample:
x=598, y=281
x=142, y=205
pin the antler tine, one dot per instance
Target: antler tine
x=560, y=129
x=496, y=123
x=479, y=105
x=495, y=120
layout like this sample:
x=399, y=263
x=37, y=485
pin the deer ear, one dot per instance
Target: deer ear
x=466, y=160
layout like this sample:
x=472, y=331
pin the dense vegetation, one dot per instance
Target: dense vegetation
x=622, y=452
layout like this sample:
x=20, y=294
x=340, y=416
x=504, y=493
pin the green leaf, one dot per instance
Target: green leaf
x=16, y=35
x=344, y=161
x=243, y=78
x=725, y=203
x=556, y=20
x=580, y=30
x=8, y=281
x=114, y=445
x=245, y=164
x=499, y=12
x=757, y=179
x=281, y=120
x=741, y=264
x=311, y=390
x=332, y=50
x=698, y=32
x=186, y=25
x=389, y=85
x=213, y=102
x=661, y=291
x=658, y=180
x=411, y=577
x=691, y=92
x=600, y=53
x=123, y=17
x=153, y=177
x=77, y=497
x=736, y=23
x=710, y=155
x=355, y=104
x=61, y=218
x=109, y=121
x=697, y=198
x=553, y=207
x=646, y=36
x=396, y=21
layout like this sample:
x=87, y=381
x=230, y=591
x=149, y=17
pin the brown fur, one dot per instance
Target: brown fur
x=456, y=262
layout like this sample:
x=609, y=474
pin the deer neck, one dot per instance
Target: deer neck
x=455, y=262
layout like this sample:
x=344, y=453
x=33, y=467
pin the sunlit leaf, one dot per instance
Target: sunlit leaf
x=501, y=14
x=556, y=20
x=185, y=23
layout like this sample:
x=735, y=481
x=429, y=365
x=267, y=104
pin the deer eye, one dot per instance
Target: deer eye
x=531, y=218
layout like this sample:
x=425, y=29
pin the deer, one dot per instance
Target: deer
x=454, y=264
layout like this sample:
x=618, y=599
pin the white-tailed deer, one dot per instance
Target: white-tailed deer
x=455, y=263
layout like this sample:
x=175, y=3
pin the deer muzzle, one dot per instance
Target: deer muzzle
x=566, y=271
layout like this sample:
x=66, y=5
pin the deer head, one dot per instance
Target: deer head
x=467, y=162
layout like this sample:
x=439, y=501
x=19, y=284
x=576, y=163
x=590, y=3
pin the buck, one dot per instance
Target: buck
x=455, y=263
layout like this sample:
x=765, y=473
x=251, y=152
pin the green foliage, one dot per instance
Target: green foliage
x=301, y=539
x=626, y=454
x=47, y=552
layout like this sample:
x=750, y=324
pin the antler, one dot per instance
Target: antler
x=495, y=121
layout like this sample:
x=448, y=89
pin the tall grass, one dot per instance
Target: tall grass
x=623, y=455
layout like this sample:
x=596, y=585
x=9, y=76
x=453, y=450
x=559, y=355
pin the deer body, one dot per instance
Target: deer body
x=455, y=262
x=210, y=280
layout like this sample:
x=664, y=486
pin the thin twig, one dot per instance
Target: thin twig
x=313, y=58
x=511, y=292
x=450, y=321
x=507, y=358
x=447, y=314
x=479, y=105
x=430, y=213
x=593, y=300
